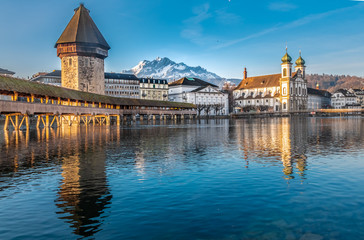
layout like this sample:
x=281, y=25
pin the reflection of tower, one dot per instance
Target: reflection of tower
x=84, y=193
x=286, y=147
x=82, y=50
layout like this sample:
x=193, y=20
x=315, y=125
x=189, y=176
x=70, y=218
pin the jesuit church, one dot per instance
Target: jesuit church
x=283, y=92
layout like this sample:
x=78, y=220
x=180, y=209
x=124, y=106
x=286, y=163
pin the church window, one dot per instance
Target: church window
x=284, y=72
x=70, y=62
x=284, y=91
x=299, y=90
x=284, y=105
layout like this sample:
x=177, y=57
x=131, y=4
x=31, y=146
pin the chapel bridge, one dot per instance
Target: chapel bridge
x=54, y=106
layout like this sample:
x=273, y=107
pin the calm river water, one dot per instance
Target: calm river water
x=222, y=179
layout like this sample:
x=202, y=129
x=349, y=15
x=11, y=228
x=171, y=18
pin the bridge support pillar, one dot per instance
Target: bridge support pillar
x=118, y=120
x=182, y=117
x=153, y=117
x=107, y=120
x=6, y=122
x=141, y=118
x=47, y=121
x=15, y=123
x=27, y=122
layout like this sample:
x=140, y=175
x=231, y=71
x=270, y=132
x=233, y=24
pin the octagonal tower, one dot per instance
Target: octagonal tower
x=82, y=50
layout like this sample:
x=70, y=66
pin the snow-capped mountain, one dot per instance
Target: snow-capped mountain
x=164, y=68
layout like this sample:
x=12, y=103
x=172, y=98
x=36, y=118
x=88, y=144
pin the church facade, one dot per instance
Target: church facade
x=283, y=92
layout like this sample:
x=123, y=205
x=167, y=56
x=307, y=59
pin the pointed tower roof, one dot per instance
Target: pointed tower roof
x=82, y=29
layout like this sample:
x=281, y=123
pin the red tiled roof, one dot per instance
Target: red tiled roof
x=261, y=81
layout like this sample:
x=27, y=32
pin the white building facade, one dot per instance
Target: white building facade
x=342, y=98
x=318, y=99
x=153, y=89
x=122, y=85
x=207, y=97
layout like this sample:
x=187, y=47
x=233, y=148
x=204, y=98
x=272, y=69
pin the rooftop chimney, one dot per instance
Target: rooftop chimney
x=245, y=73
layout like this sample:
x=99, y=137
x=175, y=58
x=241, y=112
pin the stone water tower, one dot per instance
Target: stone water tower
x=82, y=50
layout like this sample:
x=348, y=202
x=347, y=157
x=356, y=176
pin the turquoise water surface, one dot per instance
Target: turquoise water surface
x=282, y=178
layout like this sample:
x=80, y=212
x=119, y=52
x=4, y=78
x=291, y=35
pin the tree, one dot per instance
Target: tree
x=200, y=108
x=208, y=108
x=217, y=107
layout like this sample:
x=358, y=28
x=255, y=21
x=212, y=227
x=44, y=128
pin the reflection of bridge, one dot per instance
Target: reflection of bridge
x=56, y=105
x=303, y=112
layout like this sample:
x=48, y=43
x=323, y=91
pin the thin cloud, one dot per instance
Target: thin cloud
x=281, y=6
x=193, y=30
x=226, y=18
x=297, y=23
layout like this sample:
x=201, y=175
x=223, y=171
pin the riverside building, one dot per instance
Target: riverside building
x=344, y=98
x=207, y=97
x=282, y=92
x=154, y=89
x=121, y=85
x=318, y=99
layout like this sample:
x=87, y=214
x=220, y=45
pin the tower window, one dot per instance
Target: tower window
x=284, y=72
x=70, y=62
x=284, y=91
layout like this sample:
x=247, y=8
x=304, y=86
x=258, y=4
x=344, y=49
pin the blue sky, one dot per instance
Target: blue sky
x=222, y=36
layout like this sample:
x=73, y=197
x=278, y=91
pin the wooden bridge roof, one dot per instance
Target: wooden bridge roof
x=9, y=85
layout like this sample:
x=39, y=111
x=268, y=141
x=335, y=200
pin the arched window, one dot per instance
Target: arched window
x=284, y=105
x=284, y=72
x=284, y=91
x=299, y=90
x=70, y=62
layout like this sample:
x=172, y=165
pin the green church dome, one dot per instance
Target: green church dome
x=286, y=58
x=300, y=62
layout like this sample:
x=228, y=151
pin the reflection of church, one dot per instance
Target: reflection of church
x=278, y=140
x=285, y=91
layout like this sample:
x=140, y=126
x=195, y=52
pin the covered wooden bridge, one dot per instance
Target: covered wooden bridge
x=54, y=106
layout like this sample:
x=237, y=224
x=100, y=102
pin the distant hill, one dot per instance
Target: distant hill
x=334, y=82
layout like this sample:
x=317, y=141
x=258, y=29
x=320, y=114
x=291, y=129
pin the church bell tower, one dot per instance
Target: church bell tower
x=82, y=50
x=285, y=81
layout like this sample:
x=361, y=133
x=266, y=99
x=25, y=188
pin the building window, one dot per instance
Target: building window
x=284, y=72
x=70, y=62
x=284, y=105
x=284, y=91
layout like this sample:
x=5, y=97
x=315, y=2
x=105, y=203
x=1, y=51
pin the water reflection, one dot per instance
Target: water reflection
x=139, y=160
x=83, y=194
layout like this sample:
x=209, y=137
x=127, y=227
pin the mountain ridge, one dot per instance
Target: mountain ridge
x=165, y=68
